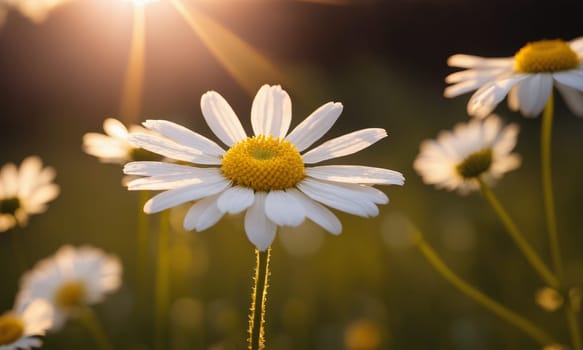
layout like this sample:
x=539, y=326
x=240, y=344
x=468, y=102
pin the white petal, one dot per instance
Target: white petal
x=513, y=101
x=115, y=128
x=37, y=317
x=577, y=45
x=259, y=229
x=466, y=81
x=483, y=102
x=341, y=197
x=573, y=99
x=356, y=174
x=171, y=181
x=236, y=199
x=148, y=168
x=315, y=126
x=469, y=61
x=344, y=145
x=185, y=194
x=203, y=214
x=283, y=209
x=221, y=118
x=271, y=111
x=173, y=150
x=534, y=93
x=44, y=194
x=185, y=136
x=318, y=213
x=572, y=78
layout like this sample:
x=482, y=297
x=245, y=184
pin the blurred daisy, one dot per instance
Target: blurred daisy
x=36, y=10
x=19, y=327
x=115, y=146
x=528, y=78
x=25, y=191
x=70, y=280
x=480, y=148
x=265, y=174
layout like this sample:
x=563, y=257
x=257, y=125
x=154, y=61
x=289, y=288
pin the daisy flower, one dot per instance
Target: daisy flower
x=115, y=146
x=527, y=78
x=478, y=149
x=36, y=10
x=265, y=174
x=70, y=280
x=20, y=327
x=25, y=191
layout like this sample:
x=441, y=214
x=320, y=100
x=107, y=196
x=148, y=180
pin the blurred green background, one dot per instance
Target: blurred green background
x=385, y=61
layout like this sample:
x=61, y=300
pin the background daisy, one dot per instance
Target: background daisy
x=20, y=327
x=527, y=78
x=70, y=280
x=25, y=191
x=477, y=149
x=264, y=175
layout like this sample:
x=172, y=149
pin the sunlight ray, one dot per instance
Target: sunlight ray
x=134, y=77
x=247, y=66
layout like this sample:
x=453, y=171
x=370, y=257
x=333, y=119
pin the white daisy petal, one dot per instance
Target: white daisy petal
x=356, y=174
x=236, y=199
x=271, y=111
x=315, y=126
x=172, y=198
x=147, y=168
x=577, y=45
x=486, y=98
x=203, y=214
x=572, y=78
x=115, y=128
x=534, y=93
x=171, y=181
x=339, y=197
x=185, y=136
x=221, y=118
x=283, y=209
x=573, y=98
x=173, y=150
x=318, y=213
x=468, y=61
x=259, y=229
x=344, y=145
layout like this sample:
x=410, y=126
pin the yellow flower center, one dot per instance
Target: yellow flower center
x=545, y=56
x=263, y=164
x=11, y=329
x=475, y=164
x=9, y=205
x=71, y=295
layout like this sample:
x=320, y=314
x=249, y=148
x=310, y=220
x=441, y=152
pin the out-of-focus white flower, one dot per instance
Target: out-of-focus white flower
x=36, y=10
x=25, y=191
x=115, y=146
x=266, y=174
x=20, y=327
x=528, y=78
x=480, y=148
x=70, y=280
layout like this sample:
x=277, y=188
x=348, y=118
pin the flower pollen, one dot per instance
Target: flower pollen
x=263, y=164
x=545, y=56
x=475, y=164
x=9, y=205
x=71, y=295
x=11, y=329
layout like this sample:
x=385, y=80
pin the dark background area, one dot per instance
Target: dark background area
x=385, y=61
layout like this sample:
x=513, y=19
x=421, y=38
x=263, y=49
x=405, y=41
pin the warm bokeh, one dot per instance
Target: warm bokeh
x=385, y=61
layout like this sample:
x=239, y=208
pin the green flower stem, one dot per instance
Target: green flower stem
x=533, y=258
x=574, y=326
x=88, y=318
x=162, y=282
x=143, y=242
x=547, y=184
x=258, y=301
x=471, y=292
x=551, y=220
